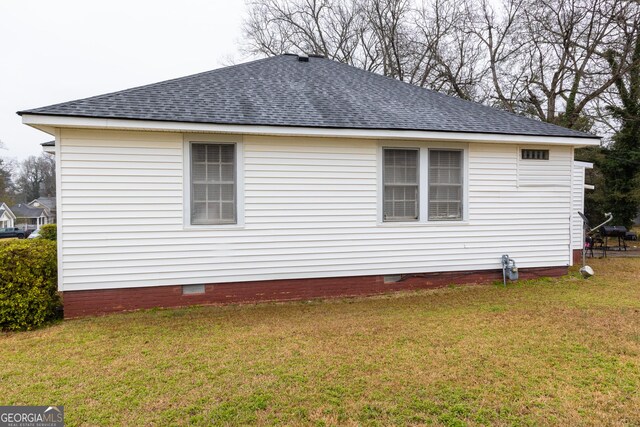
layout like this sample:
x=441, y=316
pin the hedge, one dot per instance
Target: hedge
x=48, y=232
x=28, y=283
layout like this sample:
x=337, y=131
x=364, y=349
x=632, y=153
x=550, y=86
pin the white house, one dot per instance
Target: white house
x=30, y=217
x=48, y=204
x=297, y=177
x=7, y=218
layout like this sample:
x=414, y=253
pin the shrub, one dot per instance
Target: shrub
x=48, y=232
x=28, y=283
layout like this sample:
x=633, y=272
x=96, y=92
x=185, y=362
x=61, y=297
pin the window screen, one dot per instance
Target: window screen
x=400, y=184
x=213, y=184
x=535, y=154
x=445, y=185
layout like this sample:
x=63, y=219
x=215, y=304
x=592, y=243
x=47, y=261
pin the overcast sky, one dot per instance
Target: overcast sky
x=56, y=51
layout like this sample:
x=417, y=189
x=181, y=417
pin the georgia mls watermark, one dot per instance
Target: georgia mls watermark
x=31, y=416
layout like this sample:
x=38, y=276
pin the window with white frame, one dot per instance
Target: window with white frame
x=401, y=187
x=213, y=183
x=445, y=184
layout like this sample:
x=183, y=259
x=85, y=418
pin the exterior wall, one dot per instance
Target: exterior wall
x=577, y=205
x=310, y=211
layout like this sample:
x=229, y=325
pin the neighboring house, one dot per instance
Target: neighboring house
x=7, y=218
x=49, y=147
x=48, y=204
x=29, y=217
x=297, y=177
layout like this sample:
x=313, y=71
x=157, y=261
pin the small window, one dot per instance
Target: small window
x=213, y=184
x=535, y=154
x=445, y=185
x=400, y=184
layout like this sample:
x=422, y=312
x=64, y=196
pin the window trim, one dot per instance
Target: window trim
x=423, y=187
x=236, y=140
x=463, y=191
x=418, y=178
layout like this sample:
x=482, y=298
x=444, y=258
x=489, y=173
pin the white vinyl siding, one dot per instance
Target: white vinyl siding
x=445, y=185
x=401, y=185
x=577, y=236
x=544, y=173
x=310, y=209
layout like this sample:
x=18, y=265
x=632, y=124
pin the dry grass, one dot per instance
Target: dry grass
x=545, y=352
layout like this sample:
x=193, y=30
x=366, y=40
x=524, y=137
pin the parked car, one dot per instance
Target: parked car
x=6, y=233
x=34, y=234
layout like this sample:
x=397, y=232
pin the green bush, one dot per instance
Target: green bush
x=28, y=283
x=48, y=232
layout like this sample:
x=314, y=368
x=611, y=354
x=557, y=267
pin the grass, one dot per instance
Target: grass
x=545, y=352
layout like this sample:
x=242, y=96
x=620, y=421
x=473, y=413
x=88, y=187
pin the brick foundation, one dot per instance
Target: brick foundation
x=577, y=256
x=103, y=301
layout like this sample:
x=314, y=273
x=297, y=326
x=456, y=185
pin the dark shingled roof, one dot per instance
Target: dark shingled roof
x=49, y=143
x=49, y=202
x=283, y=91
x=23, y=211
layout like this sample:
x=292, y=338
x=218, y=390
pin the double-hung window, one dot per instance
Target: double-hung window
x=437, y=181
x=213, y=183
x=445, y=185
x=401, y=184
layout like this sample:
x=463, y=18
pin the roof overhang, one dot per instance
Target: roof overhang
x=49, y=147
x=585, y=165
x=48, y=124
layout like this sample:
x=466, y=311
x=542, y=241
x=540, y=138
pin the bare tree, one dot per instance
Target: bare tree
x=36, y=177
x=326, y=27
x=392, y=34
x=7, y=188
x=567, y=70
x=498, y=29
x=450, y=60
x=423, y=45
x=542, y=58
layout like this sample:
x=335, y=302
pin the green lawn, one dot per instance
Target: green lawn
x=545, y=352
